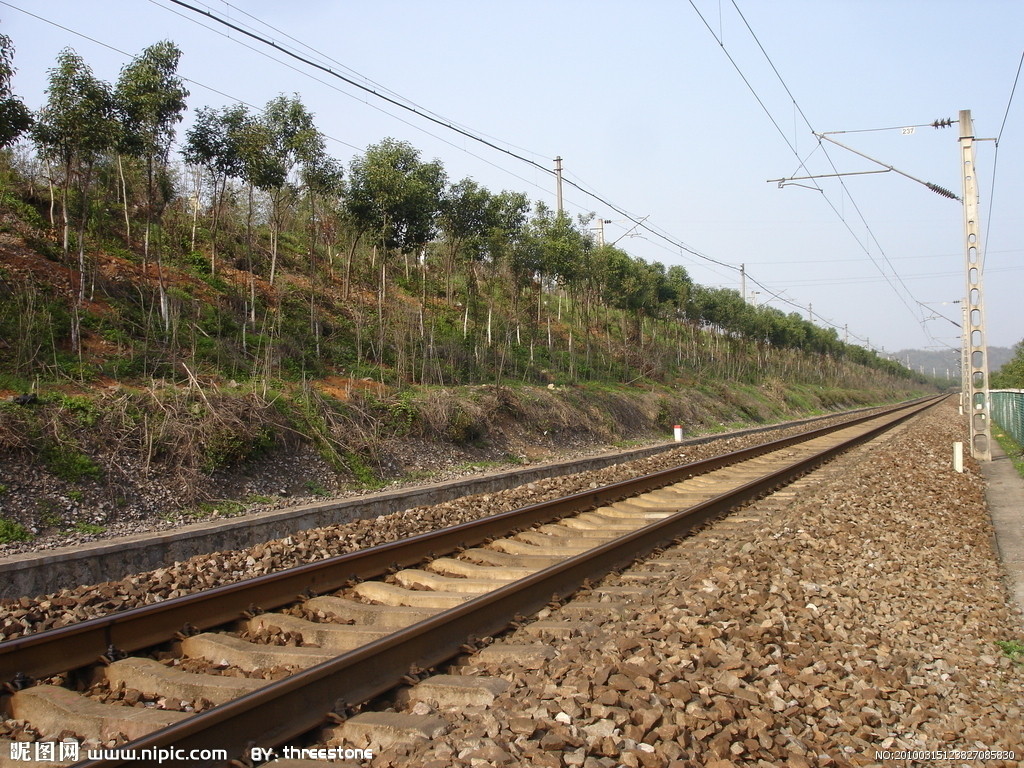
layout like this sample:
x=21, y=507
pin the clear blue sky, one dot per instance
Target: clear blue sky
x=643, y=104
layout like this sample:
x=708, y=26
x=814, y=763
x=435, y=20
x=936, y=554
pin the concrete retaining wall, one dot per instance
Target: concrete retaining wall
x=51, y=570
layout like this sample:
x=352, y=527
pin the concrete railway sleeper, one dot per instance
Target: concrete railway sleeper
x=429, y=600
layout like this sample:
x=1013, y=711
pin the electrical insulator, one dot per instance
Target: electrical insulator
x=943, y=123
x=941, y=191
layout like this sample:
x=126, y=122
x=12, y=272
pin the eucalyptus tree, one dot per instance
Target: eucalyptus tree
x=394, y=197
x=73, y=129
x=231, y=143
x=294, y=146
x=464, y=219
x=563, y=250
x=506, y=226
x=480, y=230
x=75, y=126
x=564, y=246
x=150, y=99
x=676, y=289
x=504, y=242
x=15, y=117
x=214, y=142
x=252, y=139
x=323, y=182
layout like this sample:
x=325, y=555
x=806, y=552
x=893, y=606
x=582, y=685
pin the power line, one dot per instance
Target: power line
x=778, y=128
x=746, y=82
x=434, y=119
x=425, y=114
x=1009, y=101
x=842, y=183
x=378, y=94
x=127, y=55
x=802, y=164
x=995, y=160
x=825, y=152
x=808, y=124
x=332, y=86
x=328, y=57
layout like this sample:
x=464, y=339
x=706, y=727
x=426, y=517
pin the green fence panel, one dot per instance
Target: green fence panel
x=1008, y=411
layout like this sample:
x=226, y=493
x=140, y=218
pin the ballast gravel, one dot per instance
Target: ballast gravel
x=856, y=626
x=29, y=614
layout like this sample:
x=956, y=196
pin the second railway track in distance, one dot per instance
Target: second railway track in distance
x=382, y=612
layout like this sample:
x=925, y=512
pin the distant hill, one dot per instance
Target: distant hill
x=937, y=362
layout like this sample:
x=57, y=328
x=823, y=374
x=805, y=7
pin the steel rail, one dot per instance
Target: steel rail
x=54, y=651
x=290, y=707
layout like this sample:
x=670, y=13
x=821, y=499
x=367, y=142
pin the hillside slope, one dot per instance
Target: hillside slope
x=233, y=349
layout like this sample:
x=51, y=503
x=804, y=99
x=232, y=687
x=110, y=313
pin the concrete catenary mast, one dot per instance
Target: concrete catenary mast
x=976, y=352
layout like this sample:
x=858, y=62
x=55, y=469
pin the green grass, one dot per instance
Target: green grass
x=419, y=474
x=49, y=515
x=364, y=475
x=728, y=426
x=223, y=507
x=314, y=488
x=1011, y=447
x=1013, y=650
x=14, y=382
x=68, y=463
x=83, y=408
x=81, y=527
x=11, y=531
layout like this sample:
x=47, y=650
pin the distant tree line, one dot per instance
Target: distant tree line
x=300, y=265
x=1011, y=375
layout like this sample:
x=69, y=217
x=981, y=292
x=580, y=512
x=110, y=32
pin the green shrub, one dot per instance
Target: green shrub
x=90, y=528
x=83, y=408
x=67, y=462
x=1013, y=649
x=11, y=531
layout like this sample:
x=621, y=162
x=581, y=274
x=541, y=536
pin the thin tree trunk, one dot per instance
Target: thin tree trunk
x=195, y=213
x=348, y=262
x=380, y=307
x=66, y=216
x=49, y=184
x=124, y=198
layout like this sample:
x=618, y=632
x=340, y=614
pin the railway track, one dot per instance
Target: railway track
x=382, y=614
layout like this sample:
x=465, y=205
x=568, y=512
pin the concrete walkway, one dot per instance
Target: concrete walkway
x=1004, y=491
